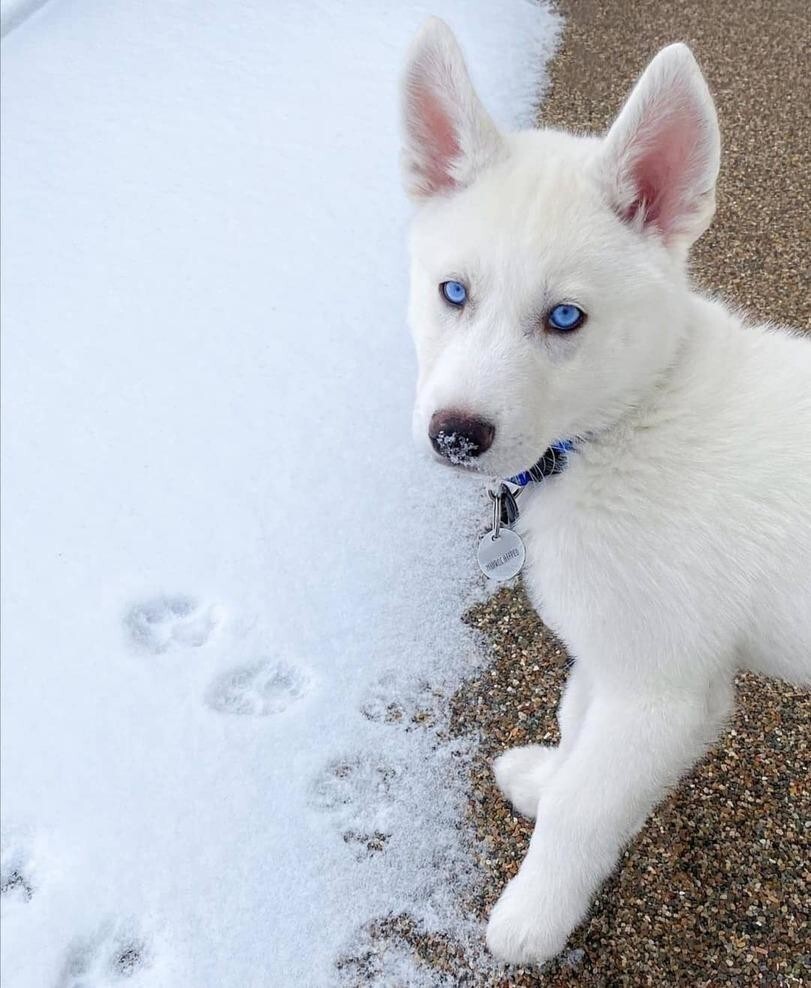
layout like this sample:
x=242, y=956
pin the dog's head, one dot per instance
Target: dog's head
x=548, y=282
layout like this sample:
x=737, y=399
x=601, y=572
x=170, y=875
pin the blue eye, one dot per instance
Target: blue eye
x=454, y=292
x=565, y=318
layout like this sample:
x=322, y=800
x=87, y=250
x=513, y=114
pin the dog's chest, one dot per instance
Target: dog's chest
x=562, y=545
x=549, y=566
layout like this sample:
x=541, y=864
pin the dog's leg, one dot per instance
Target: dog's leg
x=630, y=749
x=523, y=773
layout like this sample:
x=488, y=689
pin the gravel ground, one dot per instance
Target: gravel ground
x=716, y=890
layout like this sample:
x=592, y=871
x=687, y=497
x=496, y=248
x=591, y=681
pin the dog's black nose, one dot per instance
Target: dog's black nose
x=458, y=436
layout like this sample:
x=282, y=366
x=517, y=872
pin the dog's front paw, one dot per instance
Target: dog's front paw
x=524, y=927
x=521, y=774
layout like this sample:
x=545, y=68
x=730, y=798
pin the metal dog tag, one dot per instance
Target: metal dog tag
x=501, y=555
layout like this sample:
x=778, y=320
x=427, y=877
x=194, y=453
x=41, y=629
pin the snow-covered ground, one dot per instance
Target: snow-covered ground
x=228, y=576
x=14, y=12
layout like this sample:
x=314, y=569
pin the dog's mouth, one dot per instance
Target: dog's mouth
x=550, y=463
x=466, y=450
x=463, y=453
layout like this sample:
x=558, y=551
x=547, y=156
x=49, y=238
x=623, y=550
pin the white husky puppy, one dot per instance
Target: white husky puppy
x=551, y=301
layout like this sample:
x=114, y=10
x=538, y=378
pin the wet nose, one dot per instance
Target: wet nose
x=459, y=436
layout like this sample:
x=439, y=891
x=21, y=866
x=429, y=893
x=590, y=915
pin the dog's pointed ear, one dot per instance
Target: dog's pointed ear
x=660, y=158
x=448, y=136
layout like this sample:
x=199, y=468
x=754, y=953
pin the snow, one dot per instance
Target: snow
x=230, y=581
x=14, y=12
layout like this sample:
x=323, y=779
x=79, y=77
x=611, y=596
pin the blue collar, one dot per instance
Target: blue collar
x=552, y=462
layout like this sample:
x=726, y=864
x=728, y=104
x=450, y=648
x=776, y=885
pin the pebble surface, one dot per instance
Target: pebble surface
x=716, y=889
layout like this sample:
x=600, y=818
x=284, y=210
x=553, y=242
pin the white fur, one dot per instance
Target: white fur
x=676, y=546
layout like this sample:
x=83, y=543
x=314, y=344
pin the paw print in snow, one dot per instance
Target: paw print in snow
x=359, y=793
x=366, y=845
x=406, y=701
x=116, y=953
x=258, y=689
x=174, y=621
x=381, y=953
x=17, y=885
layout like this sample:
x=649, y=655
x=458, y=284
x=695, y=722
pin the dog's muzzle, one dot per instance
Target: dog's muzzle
x=460, y=437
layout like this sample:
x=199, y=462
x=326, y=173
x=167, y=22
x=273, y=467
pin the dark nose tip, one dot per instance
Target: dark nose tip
x=458, y=436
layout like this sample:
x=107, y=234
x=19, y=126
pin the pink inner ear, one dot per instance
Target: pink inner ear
x=666, y=165
x=436, y=135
